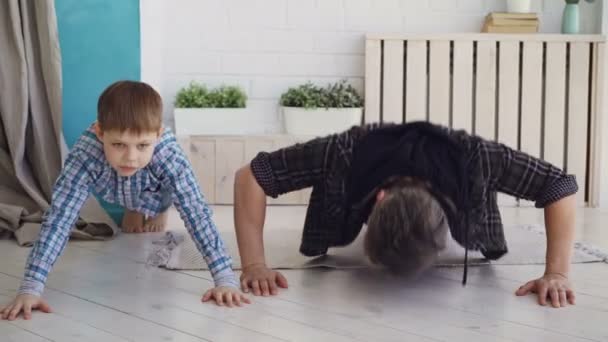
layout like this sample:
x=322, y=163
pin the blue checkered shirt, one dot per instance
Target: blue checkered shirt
x=87, y=171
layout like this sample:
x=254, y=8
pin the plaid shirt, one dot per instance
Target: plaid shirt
x=86, y=170
x=324, y=164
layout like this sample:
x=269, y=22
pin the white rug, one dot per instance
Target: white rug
x=526, y=246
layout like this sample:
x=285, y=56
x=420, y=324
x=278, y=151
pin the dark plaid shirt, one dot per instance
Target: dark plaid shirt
x=324, y=164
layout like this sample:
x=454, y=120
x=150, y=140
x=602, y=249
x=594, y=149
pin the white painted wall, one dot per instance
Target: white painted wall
x=266, y=46
x=152, y=42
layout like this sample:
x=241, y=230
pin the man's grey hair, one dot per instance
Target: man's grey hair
x=406, y=229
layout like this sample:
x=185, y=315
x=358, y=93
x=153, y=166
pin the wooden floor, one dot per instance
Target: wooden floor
x=102, y=291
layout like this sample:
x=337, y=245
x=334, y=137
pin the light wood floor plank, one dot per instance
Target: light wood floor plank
x=102, y=290
x=58, y=327
x=11, y=332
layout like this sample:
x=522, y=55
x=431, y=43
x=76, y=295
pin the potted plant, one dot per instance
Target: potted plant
x=312, y=110
x=219, y=111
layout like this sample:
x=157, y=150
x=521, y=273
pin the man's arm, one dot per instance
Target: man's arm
x=553, y=190
x=559, y=222
x=555, y=285
x=249, y=216
x=271, y=174
x=521, y=175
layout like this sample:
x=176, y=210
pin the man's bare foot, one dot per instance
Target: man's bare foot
x=157, y=223
x=132, y=222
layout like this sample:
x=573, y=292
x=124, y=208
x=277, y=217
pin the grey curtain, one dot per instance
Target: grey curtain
x=32, y=147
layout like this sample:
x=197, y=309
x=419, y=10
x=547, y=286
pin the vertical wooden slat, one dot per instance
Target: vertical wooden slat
x=416, y=82
x=508, y=102
x=565, y=120
x=597, y=105
x=577, y=114
x=531, y=101
x=531, y=95
x=392, y=93
x=485, y=116
x=508, y=94
x=439, y=79
x=555, y=102
x=255, y=145
x=462, y=86
x=229, y=156
x=373, y=63
x=201, y=152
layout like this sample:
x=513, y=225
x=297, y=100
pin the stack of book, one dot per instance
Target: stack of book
x=497, y=22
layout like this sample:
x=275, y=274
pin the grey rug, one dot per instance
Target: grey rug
x=526, y=246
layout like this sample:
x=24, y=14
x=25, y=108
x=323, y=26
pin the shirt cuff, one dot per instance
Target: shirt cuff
x=31, y=287
x=559, y=189
x=262, y=171
x=225, y=278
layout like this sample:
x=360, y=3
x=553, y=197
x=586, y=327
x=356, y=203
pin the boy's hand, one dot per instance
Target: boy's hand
x=262, y=280
x=224, y=295
x=24, y=303
x=553, y=285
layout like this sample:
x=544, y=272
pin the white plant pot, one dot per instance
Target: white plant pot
x=519, y=6
x=320, y=121
x=212, y=121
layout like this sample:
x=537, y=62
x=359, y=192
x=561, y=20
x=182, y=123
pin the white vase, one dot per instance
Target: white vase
x=519, y=6
x=320, y=121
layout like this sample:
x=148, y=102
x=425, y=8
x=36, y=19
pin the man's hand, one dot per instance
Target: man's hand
x=224, y=295
x=24, y=303
x=262, y=280
x=554, y=286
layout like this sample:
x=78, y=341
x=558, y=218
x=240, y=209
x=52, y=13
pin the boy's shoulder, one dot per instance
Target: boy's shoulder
x=88, y=145
x=166, y=144
x=167, y=149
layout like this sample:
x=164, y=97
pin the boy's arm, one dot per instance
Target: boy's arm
x=196, y=214
x=70, y=191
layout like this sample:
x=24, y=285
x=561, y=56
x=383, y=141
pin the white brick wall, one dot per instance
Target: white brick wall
x=265, y=46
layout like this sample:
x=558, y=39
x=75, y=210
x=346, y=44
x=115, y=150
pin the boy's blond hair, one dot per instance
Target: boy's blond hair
x=130, y=106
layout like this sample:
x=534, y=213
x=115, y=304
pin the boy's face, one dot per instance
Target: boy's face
x=127, y=152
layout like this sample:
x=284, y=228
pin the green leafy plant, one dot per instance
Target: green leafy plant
x=337, y=95
x=199, y=96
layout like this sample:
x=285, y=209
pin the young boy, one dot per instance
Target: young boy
x=126, y=158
